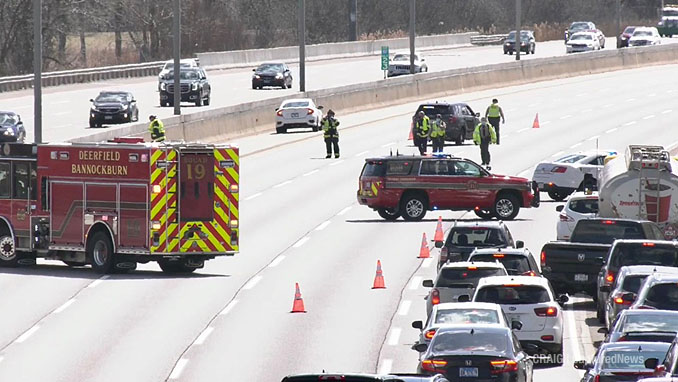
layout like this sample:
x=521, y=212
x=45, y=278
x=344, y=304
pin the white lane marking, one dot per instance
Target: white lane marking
x=1, y=358
x=587, y=110
x=652, y=95
x=258, y=194
x=323, y=225
x=427, y=262
x=558, y=153
x=630, y=100
x=576, y=145
x=64, y=306
x=57, y=102
x=203, y=336
x=61, y=113
x=667, y=111
x=228, y=308
x=337, y=162
x=649, y=116
x=566, y=116
x=276, y=261
x=178, y=369
x=404, y=308
x=386, y=366
x=362, y=153
x=285, y=183
x=252, y=283
x=345, y=210
x=521, y=130
x=389, y=144
x=311, y=172
x=27, y=334
x=97, y=282
x=612, y=130
x=630, y=123
x=394, y=337
x=593, y=138
x=608, y=105
x=416, y=281
x=301, y=242
x=572, y=329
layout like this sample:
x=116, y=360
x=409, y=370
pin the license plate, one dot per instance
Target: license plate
x=295, y=115
x=468, y=372
x=108, y=117
x=513, y=317
x=581, y=277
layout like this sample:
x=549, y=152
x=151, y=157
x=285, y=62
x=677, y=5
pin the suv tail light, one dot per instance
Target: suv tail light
x=596, y=378
x=542, y=258
x=565, y=218
x=546, y=312
x=559, y=169
x=309, y=111
x=620, y=301
x=435, y=296
x=443, y=255
x=609, y=277
x=279, y=113
x=430, y=333
x=503, y=366
x=648, y=244
x=609, y=222
x=434, y=365
x=529, y=273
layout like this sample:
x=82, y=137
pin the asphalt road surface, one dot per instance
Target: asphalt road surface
x=66, y=108
x=301, y=223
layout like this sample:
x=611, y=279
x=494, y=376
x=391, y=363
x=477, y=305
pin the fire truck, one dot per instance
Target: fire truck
x=115, y=204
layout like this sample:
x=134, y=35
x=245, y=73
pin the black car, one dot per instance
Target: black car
x=355, y=377
x=11, y=127
x=465, y=237
x=622, y=361
x=113, y=107
x=476, y=352
x=195, y=87
x=459, y=117
x=527, y=42
x=272, y=74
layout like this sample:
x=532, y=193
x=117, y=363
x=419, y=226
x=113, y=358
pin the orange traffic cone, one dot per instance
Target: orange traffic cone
x=438, y=238
x=411, y=134
x=424, y=252
x=379, y=278
x=298, y=306
x=535, y=124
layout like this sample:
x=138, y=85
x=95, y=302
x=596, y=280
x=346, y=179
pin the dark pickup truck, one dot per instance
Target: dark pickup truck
x=573, y=266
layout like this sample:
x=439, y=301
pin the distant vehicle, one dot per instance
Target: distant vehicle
x=298, y=113
x=625, y=36
x=476, y=352
x=570, y=173
x=668, y=24
x=622, y=361
x=11, y=127
x=644, y=325
x=583, y=42
x=400, y=64
x=183, y=64
x=113, y=107
x=527, y=42
x=578, y=26
x=580, y=205
x=459, y=118
x=658, y=291
x=274, y=74
x=467, y=236
x=517, y=261
x=355, y=377
x=643, y=36
x=195, y=87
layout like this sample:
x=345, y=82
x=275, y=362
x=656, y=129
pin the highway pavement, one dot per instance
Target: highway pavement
x=300, y=223
x=66, y=108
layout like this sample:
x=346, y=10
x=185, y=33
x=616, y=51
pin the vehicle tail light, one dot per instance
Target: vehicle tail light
x=498, y=255
x=609, y=277
x=309, y=111
x=433, y=365
x=547, y=338
x=565, y=218
x=443, y=255
x=429, y=334
x=529, y=273
x=542, y=258
x=609, y=222
x=503, y=366
x=279, y=113
x=435, y=296
x=620, y=301
x=546, y=312
x=596, y=378
x=559, y=169
x=648, y=244
x=472, y=268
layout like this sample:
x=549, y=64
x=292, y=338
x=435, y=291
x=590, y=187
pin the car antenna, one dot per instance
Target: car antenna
x=391, y=152
x=397, y=152
x=473, y=331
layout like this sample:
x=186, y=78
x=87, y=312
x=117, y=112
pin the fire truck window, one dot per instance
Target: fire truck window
x=4, y=180
x=21, y=180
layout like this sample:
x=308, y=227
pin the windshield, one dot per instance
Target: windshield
x=185, y=75
x=466, y=316
x=513, y=295
x=432, y=110
x=629, y=30
x=476, y=237
x=469, y=341
x=270, y=68
x=639, y=254
x=523, y=35
x=572, y=158
x=577, y=26
x=514, y=264
x=110, y=98
x=295, y=104
x=403, y=57
x=584, y=206
x=8, y=118
x=642, y=33
x=465, y=278
x=630, y=359
x=650, y=323
x=662, y=296
x=170, y=65
x=605, y=231
x=582, y=37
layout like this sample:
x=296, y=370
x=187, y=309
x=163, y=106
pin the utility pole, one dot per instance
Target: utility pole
x=177, y=57
x=302, y=45
x=353, y=20
x=413, y=8
x=518, y=23
x=618, y=24
x=37, y=71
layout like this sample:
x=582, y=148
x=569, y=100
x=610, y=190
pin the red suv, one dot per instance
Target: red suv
x=408, y=186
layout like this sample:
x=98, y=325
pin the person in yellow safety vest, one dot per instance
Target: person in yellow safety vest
x=494, y=113
x=331, y=134
x=422, y=127
x=157, y=129
x=484, y=135
x=438, y=128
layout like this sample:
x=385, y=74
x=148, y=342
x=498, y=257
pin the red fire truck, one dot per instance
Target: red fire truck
x=116, y=204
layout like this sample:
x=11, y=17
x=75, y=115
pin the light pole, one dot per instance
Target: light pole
x=302, y=45
x=353, y=20
x=177, y=57
x=518, y=11
x=37, y=71
x=618, y=39
x=413, y=8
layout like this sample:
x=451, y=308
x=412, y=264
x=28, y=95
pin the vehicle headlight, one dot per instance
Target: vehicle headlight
x=660, y=23
x=163, y=86
x=125, y=107
x=93, y=107
x=194, y=86
x=256, y=76
x=9, y=132
x=279, y=76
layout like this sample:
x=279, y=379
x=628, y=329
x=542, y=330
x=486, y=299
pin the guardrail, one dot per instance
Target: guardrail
x=82, y=75
x=494, y=39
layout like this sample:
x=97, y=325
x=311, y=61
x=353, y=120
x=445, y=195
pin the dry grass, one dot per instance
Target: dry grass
x=100, y=51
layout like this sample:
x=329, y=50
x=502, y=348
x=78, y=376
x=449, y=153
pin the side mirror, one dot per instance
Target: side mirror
x=651, y=363
x=516, y=325
x=438, y=244
x=582, y=365
x=254, y=70
x=563, y=299
x=427, y=283
x=277, y=108
x=420, y=347
x=133, y=101
x=320, y=107
x=477, y=114
x=603, y=331
x=91, y=100
x=418, y=325
x=560, y=208
x=464, y=298
x=605, y=288
x=520, y=244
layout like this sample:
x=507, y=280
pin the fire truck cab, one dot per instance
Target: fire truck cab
x=115, y=204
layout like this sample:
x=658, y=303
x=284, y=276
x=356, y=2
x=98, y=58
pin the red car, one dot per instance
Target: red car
x=408, y=186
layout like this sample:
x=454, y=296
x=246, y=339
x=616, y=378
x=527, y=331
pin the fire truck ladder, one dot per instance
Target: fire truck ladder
x=651, y=162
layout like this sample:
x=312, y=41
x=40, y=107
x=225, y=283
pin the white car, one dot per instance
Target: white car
x=580, y=205
x=571, y=172
x=400, y=64
x=583, y=42
x=645, y=36
x=531, y=301
x=298, y=113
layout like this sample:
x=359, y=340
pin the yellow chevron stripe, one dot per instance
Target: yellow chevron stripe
x=231, y=153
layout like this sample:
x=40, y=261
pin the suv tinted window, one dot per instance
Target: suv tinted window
x=521, y=294
x=584, y=206
x=434, y=167
x=373, y=168
x=514, y=264
x=432, y=110
x=460, y=277
x=632, y=283
x=476, y=236
x=398, y=167
x=467, y=316
x=466, y=169
x=605, y=231
x=639, y=254
x=662, y=296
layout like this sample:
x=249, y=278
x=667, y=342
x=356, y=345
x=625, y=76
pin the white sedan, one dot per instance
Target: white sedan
x=583, y=42
x=400, y=64
x=645, y=36
x=580, y=205
x=298, y=113
x=565, y=175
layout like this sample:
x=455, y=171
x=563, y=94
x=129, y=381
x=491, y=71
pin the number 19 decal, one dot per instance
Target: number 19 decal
x=198, y=169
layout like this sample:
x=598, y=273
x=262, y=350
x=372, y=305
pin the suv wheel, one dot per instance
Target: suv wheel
x=558, y=196
x=506, y=207
x=413, y=207
x=390, y=214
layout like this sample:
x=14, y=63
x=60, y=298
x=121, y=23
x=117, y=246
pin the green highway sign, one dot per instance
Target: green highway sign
x=384, y=58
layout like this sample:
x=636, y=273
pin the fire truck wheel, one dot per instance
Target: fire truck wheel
x=8, y=256
x=169, y=266
x=100, y=253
